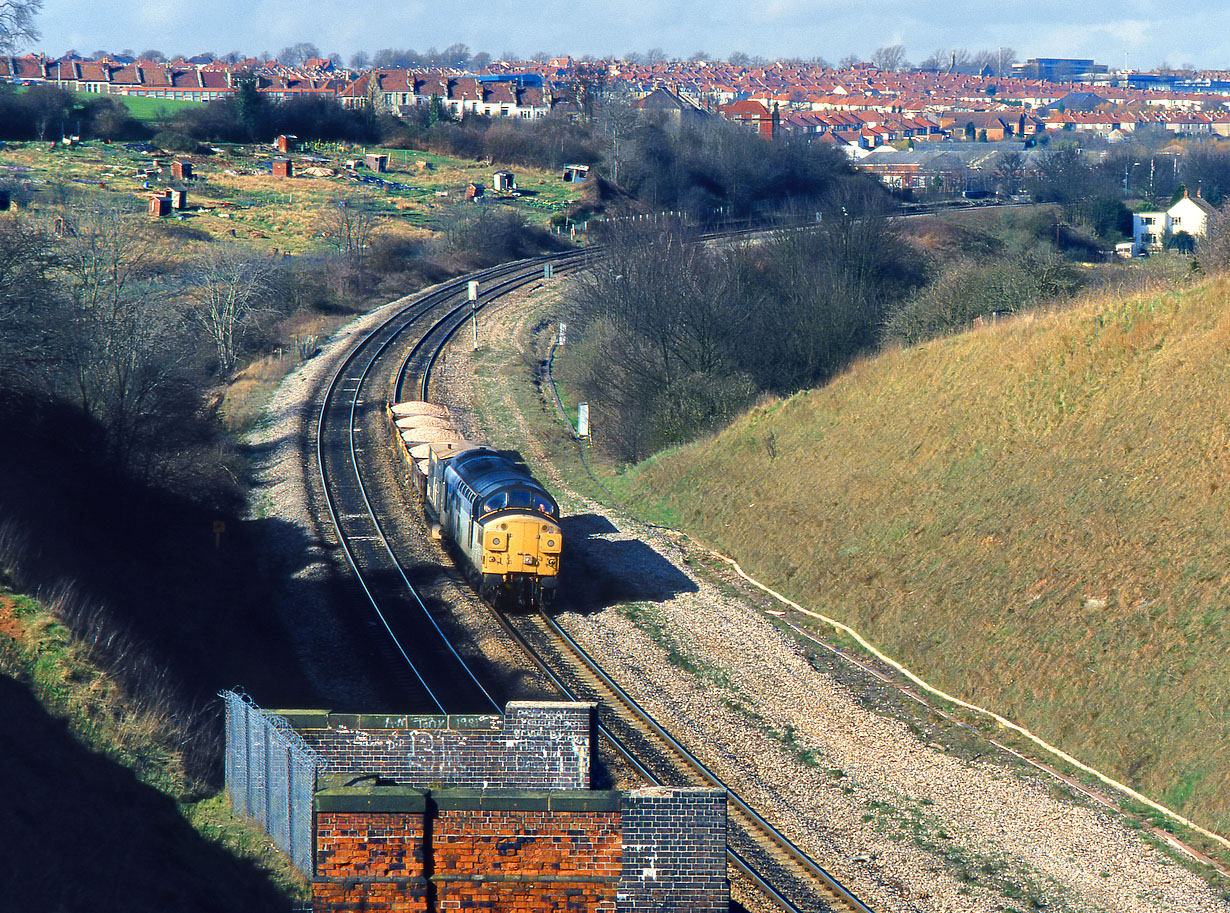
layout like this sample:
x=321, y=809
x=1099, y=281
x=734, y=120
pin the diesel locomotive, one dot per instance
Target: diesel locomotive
x=503, y=522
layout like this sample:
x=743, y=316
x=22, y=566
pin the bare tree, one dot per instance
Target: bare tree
x=50, y=105
x=617, y=119
x=232, y=286
x=456, y=56
x=661, y=324
x=1213, y=249
x=297, y=54
x=1004, y=59
x=890, y=59
x=1010, y=172
x=118, y=347
x=848, y=62
x=655, y=56
x=360, y=60
x=348, y=229
x=944, y=60
x=26, y=259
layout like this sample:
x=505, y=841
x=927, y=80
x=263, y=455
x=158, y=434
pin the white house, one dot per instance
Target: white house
x=1151, y=229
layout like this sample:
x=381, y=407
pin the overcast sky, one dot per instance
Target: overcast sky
x=1140, y=33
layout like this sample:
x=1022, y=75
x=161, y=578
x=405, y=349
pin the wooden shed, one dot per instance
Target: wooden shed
x=283, y=168
x=159, y=206
x=377, y=162
x=181, y=171
x=503, y=182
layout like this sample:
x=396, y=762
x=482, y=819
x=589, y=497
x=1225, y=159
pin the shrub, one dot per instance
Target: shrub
x=173, y=141
x=969, y=290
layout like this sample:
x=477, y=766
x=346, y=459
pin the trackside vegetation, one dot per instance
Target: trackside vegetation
x=1031, y=515
x=105, y=772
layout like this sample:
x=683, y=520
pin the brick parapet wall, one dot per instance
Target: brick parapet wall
x=535, y=745
x=527, y=860
x=371, y=861
x=674, y=851
x=466, y=849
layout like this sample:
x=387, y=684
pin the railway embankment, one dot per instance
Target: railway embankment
x=911, y=810
x=1032, y=516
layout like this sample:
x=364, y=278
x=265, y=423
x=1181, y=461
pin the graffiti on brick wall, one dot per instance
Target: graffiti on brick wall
x=535, y=745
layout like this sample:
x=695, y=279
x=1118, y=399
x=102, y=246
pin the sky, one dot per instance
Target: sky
x=1141, y=34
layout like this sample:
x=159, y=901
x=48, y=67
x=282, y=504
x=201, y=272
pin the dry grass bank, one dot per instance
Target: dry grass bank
x=1033, y=516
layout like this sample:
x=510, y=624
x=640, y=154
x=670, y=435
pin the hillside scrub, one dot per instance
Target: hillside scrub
x=973, y=289
x=1032, y=516
x=673, y=338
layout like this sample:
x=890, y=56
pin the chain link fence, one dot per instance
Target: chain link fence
x=270, y=776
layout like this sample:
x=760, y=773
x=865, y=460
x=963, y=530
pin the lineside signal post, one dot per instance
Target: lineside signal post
x=474, y=309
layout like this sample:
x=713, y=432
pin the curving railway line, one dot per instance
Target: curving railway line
x=425, y=651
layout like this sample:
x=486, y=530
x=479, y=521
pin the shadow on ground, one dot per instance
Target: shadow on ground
x=82, y=833
x=599, y=572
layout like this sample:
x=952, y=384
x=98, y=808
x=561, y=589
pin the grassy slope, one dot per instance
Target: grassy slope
x=1033, y=516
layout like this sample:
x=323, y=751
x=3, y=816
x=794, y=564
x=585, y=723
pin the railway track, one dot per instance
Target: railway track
x=419, y=632
x=759, y=850
x=415, y=632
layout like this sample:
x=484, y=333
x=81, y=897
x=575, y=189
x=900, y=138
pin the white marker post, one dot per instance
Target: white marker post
x=474, y=309
x=583, y=420
x=563, y=334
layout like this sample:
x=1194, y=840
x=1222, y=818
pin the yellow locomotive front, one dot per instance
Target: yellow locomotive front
x=520, y=554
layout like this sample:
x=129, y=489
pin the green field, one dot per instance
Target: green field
x=148, y=110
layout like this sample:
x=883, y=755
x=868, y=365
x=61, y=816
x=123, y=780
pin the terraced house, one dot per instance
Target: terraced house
x=401, y=91
x=200, y=84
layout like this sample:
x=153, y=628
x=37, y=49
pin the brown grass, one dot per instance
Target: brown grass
x=1033, y=516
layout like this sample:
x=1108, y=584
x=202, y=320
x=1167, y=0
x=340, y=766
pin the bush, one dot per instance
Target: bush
x=969, y=290
x=173, y=141
x=1213, y=250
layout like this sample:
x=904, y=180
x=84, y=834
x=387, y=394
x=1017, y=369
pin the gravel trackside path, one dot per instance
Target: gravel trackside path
x=299, y=540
